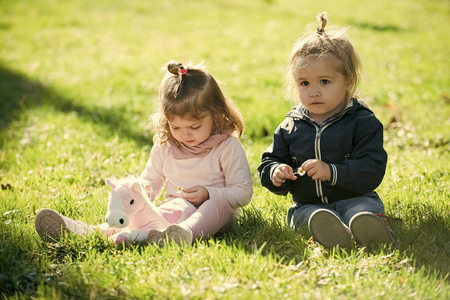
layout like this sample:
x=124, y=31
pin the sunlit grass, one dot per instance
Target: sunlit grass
x=78, y=80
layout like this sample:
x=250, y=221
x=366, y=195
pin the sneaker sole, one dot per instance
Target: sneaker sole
x=368, y=228
x=173, y=233
x=49, y=225
x=328, y=230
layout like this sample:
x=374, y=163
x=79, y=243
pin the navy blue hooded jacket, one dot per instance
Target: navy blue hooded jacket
x=350, y=142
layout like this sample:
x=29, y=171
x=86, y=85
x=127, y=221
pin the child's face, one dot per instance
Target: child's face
x=321, y=87
x=191, y=131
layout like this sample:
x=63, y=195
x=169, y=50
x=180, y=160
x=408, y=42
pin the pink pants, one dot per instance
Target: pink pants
x=209, y=218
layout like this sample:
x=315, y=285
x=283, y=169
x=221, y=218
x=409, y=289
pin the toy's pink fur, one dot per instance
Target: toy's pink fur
x=130, y=210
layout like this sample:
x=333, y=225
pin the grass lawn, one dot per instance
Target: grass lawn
x=78, y=80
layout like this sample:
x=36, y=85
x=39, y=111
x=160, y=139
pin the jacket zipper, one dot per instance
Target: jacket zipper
x=319, y=130
x=318, y=154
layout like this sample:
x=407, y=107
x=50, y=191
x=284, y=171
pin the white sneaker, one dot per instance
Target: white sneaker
x=50, y=225
x=328, y=230
x=173, y=233
x=368, y=227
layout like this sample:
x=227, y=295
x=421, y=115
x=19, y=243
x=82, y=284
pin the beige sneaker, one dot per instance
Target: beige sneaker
x=368, y=228
x=328, y=230
x=50, y=225
x=173, y=233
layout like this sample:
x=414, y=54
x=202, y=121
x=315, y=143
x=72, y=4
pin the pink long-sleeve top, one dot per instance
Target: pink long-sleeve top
x=224, y=171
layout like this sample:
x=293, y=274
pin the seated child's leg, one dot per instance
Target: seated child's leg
x=328, y=230
x=366, y=219
x=173, y=233
x=50, y=225
x=350, y=207
x=324, y=223
x=209, y=218
x=298, y=214
x=368, y=228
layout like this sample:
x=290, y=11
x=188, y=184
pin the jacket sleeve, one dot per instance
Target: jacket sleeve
x=238, y=188
x=276, y=154
x=153, y=173
x=364, y=171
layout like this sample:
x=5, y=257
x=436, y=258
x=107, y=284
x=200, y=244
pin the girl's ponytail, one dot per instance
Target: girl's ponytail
x=173, y=80
x=176, y=68
x=323, y=19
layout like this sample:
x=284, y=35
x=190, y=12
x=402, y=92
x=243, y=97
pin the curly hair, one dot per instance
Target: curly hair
x=191, y=90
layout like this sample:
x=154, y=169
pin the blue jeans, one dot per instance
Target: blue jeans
x=298, y=214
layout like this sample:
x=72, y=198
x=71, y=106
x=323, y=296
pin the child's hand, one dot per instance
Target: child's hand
x=282, y=173
x=317, y=169
x=196, y=194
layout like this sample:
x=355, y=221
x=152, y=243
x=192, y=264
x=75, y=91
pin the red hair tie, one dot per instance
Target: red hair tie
x=183, y=70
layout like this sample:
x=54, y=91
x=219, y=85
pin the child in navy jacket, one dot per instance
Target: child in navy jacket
x=333, y=139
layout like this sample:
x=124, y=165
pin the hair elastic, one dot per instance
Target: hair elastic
x=323, y=20
x=183, y=70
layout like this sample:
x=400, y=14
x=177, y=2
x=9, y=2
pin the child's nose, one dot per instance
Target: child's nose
x=186, y=132
x=314, y=92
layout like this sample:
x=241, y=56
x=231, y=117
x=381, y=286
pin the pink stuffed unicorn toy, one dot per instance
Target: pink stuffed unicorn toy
x=131, y=211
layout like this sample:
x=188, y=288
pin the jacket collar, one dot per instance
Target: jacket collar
x=300, y=112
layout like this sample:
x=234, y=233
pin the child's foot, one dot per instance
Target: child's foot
x=50, y=225
x=368, y=227
x=328, y=230
x=174, y=233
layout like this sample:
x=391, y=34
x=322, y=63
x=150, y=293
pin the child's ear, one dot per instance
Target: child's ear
x=350, y=83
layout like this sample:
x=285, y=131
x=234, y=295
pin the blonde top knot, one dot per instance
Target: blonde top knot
x=323, y=19
x=176, y=68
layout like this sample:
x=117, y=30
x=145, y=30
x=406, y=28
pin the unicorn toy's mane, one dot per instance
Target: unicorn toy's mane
x=127, y=183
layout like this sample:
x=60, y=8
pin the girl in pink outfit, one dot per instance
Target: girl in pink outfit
x=197, y=154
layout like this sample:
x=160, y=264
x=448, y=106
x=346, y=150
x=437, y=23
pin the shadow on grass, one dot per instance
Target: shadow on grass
x=19, y=93
x=269, y=236
x=25, y=266
x=20, y=269
x=377, y=27
x=428, y=243
x=23, y=270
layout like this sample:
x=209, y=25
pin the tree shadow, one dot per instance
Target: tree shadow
x=19, y=93
x=20, y=271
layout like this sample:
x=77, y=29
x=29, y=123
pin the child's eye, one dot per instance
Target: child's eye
x=195, y=127
x=304, y=83
x=132, y=202
x=324, y=81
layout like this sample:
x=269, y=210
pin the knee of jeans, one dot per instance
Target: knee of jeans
x=290, y=217
x=297, y=219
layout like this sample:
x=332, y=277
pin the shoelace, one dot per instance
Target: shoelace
x=386, y=220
